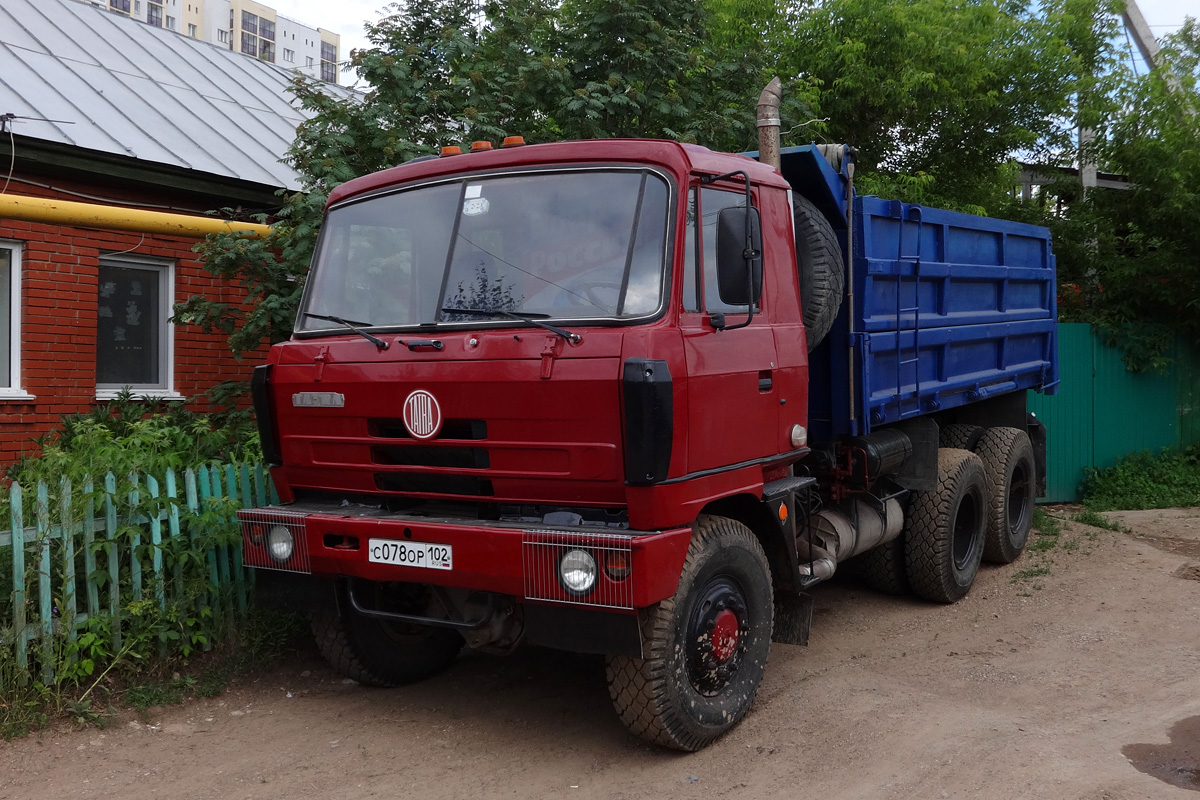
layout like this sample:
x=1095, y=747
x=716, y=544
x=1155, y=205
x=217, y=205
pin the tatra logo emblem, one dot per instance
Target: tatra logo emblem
x=422, y=414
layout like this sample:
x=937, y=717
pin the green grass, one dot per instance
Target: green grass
x=1035, y=571
x=1168, y=479
x=1090, y=517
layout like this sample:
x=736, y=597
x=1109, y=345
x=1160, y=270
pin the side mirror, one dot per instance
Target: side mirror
x=739, y=274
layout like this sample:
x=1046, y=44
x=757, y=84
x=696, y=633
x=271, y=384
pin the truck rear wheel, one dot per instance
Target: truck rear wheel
x=707, y=645
x=822, y=276
x=882, y=568
x=1011, y=475
x=945, y=528
x=962, y=437
x=376, y=652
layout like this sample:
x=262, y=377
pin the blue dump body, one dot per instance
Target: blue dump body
x=942, y=309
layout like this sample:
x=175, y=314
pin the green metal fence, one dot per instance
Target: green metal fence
x=84, y=552
x=1102, y=411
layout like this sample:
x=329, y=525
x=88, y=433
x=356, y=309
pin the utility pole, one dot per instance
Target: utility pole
x=1147, y=45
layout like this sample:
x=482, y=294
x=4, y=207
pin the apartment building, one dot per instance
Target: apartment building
x=244, y=26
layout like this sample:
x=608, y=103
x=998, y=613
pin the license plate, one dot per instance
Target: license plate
x=410, y=554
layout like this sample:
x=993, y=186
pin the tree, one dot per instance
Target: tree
x=1132, y=264
x=939, y=96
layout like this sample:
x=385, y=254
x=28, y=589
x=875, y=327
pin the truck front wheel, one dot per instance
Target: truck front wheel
x=945, y=528
x=707, y=645
x=376, y=652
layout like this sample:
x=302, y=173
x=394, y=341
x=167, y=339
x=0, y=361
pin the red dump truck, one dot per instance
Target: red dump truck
x=634, y=398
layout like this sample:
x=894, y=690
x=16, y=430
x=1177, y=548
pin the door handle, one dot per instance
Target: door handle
x=764, y=380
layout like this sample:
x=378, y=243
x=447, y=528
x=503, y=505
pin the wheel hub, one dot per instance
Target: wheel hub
x=715, y=636
x=724, y=636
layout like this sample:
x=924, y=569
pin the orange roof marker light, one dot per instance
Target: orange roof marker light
x=452, y=150
x=513, y=141
x=477, y=147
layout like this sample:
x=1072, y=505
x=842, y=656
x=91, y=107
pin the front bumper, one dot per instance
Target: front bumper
x=519, y=560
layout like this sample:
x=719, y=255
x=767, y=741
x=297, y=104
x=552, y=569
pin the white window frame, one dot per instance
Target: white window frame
x=14, y=391
x=166, y=350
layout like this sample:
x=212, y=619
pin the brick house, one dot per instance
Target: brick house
x=105, y=110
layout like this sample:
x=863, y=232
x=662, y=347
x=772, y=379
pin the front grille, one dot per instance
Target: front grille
x=256, y=523
x=431, y=456
x=434, y=484
x=542, y=550
x=462, y=429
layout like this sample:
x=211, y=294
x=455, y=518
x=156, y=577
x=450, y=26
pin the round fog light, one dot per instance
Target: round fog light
x=577, y=571
x=280, y=543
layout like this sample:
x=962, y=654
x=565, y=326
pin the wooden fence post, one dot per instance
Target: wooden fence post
x=114, y=575
x=173, y=532
x=68, y=611
x=135, y=539
x=45, y=602
x=89, y=548
x=156, y=542
x=17, y=518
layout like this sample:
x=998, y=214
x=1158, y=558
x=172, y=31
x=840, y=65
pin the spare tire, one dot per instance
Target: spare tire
x=822, y=276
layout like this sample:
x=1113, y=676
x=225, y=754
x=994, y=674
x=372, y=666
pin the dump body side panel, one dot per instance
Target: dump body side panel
x=945, y=309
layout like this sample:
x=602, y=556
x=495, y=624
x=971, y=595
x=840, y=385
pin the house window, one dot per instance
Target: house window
x=133, y=337
x=119, y=5
x=223, y=36
x=171, y=22
x=267, y=51
x=137, y=7
x=310, y=61
x=249, y=44
x=192, y=30
x=10, y=320
x=154, y=15
x=289, y=55
x=249, y=22
x=266, y=29
x=328, y=52
x=328, y=72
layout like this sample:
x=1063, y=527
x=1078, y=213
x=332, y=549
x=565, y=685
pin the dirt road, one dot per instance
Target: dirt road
x=1031, y=687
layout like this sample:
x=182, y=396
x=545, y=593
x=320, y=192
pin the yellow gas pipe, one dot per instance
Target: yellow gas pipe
x=90, y=215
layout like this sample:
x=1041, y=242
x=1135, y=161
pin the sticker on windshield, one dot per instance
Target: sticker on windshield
x=475, y=206
x=475, y=190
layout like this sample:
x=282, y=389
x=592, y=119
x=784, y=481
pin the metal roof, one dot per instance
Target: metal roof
x=134, y=90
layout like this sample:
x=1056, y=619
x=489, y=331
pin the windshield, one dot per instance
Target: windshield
x=560, y=245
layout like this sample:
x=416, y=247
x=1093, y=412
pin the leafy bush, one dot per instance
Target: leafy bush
x=165, y=617
x=150, y=436
x=1146, y=480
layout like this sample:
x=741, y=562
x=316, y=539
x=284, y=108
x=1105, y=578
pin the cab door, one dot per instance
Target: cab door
x=732, y=394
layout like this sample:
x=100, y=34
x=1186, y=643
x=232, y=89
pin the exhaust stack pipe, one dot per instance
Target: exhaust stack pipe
x=768, y=123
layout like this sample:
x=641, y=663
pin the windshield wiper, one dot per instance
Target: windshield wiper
x=524, y=316
x=351, y=324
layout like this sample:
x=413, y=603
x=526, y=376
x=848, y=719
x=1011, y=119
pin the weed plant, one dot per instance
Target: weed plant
x=1143, y=480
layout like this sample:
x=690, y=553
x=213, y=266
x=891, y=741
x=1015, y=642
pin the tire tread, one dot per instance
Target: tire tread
x=639, y=687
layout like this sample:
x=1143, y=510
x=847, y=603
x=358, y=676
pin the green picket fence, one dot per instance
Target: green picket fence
x=93, y=553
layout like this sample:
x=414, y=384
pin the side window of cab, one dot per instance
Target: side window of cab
x=700, y=253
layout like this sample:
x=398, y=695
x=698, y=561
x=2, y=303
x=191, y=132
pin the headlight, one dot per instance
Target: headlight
x=577, y=571
x=280, y=543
